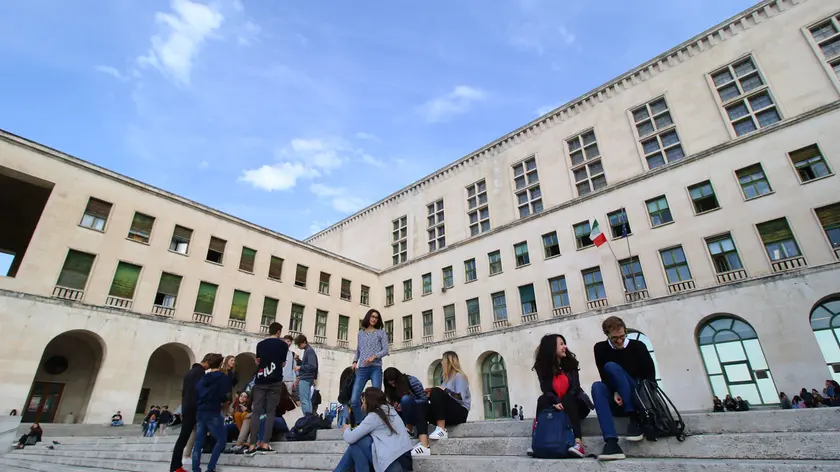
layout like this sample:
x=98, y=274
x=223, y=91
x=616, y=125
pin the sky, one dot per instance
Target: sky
x=296, y=114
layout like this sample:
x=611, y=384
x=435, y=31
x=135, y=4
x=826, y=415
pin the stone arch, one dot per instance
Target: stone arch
x=640, y=336
x=246, y=368
x=164, y=378
x=65, y=378
x=494, y=385
x=435, y=373
x=825, y=322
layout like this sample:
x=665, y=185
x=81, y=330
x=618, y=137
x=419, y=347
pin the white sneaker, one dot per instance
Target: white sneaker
x=421, y=450
x=438, y=433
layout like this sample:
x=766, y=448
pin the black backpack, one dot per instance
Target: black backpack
x=658, y=415
x=305, y=428
x=345, y=390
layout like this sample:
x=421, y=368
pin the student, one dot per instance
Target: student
x=717, y=405
x=164, y=419
x=449, y=404
x=117, y=420
x=785, y=401
x=268, y=387
x=514, y=412
x=406, y=393
x=729, y=403
x=521, y=414
x=31, y=438
x=741, y=404
x=289, y=366
x=211, y=392
x=371, y=348
x=307, y=370
x=557, y=371
x=380, y=442
x=622, y=363
x=188, y=405
x=152, y=422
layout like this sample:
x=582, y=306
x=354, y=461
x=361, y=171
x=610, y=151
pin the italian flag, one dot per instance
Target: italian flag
x=596, y=235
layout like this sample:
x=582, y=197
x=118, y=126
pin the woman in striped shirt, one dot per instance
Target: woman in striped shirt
x=407, y=395
x=372, y=346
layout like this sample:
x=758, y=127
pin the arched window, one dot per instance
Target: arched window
x=437, y=374
x=495, y=388
x=825, y=321
x=735, y=362
x=640, y=336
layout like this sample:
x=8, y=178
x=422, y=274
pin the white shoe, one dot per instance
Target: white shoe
x=421, y=450
x=438, y=433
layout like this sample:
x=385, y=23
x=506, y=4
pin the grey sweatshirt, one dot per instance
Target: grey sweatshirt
x=308, y=364
x=387, y=446
x=458, y=384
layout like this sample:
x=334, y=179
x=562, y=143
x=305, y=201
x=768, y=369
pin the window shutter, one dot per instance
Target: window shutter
x=526, y=293
x=275, y=268
x=99, y=208
x=182, y=233
x=142, y=223
x=775, y=230
x=125, y=280
x=270, y=307
x=217, y=244
x=239, y=306
x=246, y=263
x=169, y=284
x=829, y=215
x=804, y=153
x=206, y=298
x=76, y=270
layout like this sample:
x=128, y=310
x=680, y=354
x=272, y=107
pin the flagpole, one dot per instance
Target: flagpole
x=626, y=236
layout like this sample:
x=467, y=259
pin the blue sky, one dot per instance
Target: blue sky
x=294, y=114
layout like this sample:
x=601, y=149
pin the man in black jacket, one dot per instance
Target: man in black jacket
x=188, y=410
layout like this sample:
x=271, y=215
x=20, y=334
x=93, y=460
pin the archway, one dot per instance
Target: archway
x=640, y=336
x=494, y=387
x=735, y=362
x=246, y=368
x=825, y=321
x=65, y=378
x=435, y=373
x=164, y=379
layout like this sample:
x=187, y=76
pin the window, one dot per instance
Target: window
x=399, y=238
x=364, y=296
x=6, y=261
x=206, y=298
x=269, y=311
x=428, y=323
x=526, y=180
x=239, y=305
x=659, y=211
x=753, y=181
x=703, y=197
x=141, y=228
x=125, y=280
x=478, y=210
x=408, y=332
x=448, y=279
x=495, y=259
x=321, y=323
x=469, y=270
x=594, y=284
x=389, y=331
x=449, y=318
x=825, y=322
x=551, y=246
x=300, y=276
x=346, y=293
x=275, y=268
x=389, y=295
x=631, y=274
x=167, y=291
x=582, y=232
x=619, y=224
x=344, y=328
x=247, y=259
x=675, y=264
x=528, y=299
x=745, y=97
x=586, y=163
x=296, y=318
x=499, y=306
x=406, y=290
x=809, y=163
x=657, y=133
x=724, y=255
x=435, y=228
x=829, y=217
x=473, y=312
x=778, y=239
x=76, y=270
x=520, y=250
x=827, y=39
x=427, y=283
x=324, y=283
x=216, y=250
x=180, y=240
x=96, y=214
x=559, y=293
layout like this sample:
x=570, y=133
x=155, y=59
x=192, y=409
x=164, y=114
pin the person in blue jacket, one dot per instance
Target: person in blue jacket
x=211, y=392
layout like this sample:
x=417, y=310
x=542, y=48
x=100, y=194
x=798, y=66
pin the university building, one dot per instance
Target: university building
x=710, y=170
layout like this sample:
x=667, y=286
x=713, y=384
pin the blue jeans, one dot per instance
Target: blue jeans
x=414, y=412
x=305, y=390
x=358, y=456
x=215, y=424
x=618, y=380
x=363, y=374
x=342, y=417
x=150, y=431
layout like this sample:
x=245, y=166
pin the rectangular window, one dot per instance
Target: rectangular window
x=469, y=270
x=478, y=210
x=559, y=292
x=527, y=299
x=829, y=217
x=657, y=133
x=125, y=280
x=659, y=211
x=239, y=305
x=631, y=274
x=300, y=275
x=141, y=228
x=594, y=284
x=448, y=279
x=399, y=240
x=809, y=163
x=703, y=197
x=389, y=331
x=76, y=270
x=180, y=242
x=406, y=290
x=724, y=255
x=587, y=167
x=827, y=37
x=582, y=232
x=526, y=180
x=745, y=96
x=269, y=311
x=321, y=323
x=346, y=293
x=428, y=323
x=499, y=306
x=96, y=214
x=520, y=250
x=216, y=250
x=247, y=259
x=778, y=239
x=324, y=283
x=275, y=268
x=167, y=291
x=495, y=259
x=427, y=283
x=675, y=265
x=619, y=224
x=435, y=228
x=449, y=318
x=408, y=331
x=206, y=298
x=551, y=246
x=473, y=312
x=364, y=296
x=753, y=181
x=343, y=327
x=296, y=318
x=389, y=295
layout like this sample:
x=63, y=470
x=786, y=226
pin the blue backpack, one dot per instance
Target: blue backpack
x=552, y=435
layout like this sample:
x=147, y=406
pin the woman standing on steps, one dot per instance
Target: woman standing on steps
x=372, y=346
x=449, y=404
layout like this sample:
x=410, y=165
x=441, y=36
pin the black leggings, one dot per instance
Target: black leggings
x=443, y=407
x=570, y=406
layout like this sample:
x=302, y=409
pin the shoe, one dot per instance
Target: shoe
x=577, y=450
x=250, y=452
x=421, y=450
x=239, y=450
x=265, y=450
x=612, y=451
x=180, y=469
x=530, y=452
x=438, y=434
x=634, y=431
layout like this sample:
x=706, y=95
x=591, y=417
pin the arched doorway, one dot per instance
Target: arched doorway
x=495, y=387
x=435, y=373
x=735, y=362
x=640, y=336
x=164, y=378
x=825, y=321
x=65, y=378
x=246, y=368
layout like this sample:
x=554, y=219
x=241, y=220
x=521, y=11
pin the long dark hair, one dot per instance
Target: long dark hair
x=545, y=359
x=394, y=394
x=366, y=322
x=374, y=400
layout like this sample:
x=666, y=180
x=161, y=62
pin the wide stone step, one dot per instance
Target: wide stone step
x=20, y=464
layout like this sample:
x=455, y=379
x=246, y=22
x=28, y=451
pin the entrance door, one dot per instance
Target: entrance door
x=43, y=402
x=494, y=381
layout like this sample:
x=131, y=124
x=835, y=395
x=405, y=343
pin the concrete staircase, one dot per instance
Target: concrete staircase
x=774, y=440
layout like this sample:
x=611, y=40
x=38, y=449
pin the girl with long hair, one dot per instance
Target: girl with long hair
x=557, y=370
x=449, y=404
x=380, y=441
x=372, y=346
x=407, y=394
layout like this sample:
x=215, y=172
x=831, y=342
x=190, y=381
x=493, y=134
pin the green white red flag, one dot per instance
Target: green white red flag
x=596, y=235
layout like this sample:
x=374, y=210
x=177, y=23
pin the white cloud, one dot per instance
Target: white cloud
x=368, y=159
x=281, y=176
x=567, y=36
x=179, y=38
x=111, y=71
x=318, y=153
x=368, y=137
x=250, y=34
x=203, y=165
x=460, y=100
x=339, y=198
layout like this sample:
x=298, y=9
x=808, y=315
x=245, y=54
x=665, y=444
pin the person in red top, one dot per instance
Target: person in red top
x=557, y=370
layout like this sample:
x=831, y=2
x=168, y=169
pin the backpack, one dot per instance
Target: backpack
x=316, y=397
x=305, y=428
x=552, y=435
x=658, y=415
x=345, y=390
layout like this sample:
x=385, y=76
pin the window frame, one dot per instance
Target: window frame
x=389, y=295
x=430, y=325
x=136, y=282
x=399, y=240
x=822, y=157
x=473, y=318
x=478, y=208
x=178, y=239
x=293, y=318
x=619, y=212
x=408, y=328
x=659, y=210
x=595, y=283
x=303, y=284
x=716, y=238
x=279, y=269
x=449, y=317
x=836, y=250
x=493, y=305
x=546, y=249
x=346, y=295
x=657, y=132
x=427, y=277
x=209, y=248
x=633, y=276
x=526, y=255
x=693, y=202
x=131, y=231
x=753, y=182
x=408, y=289
x=467, y=271
x=242, y=259
x=534, y=204
x=665, y=266
x=436, y=233
x=451, y=277
x=497, y=263
x=106, y=219
x=364, y=295
x=792, y=234
x=579, y=239
x=743, y=97
x=586, y=162
x=827, y=64
x=563, y=292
